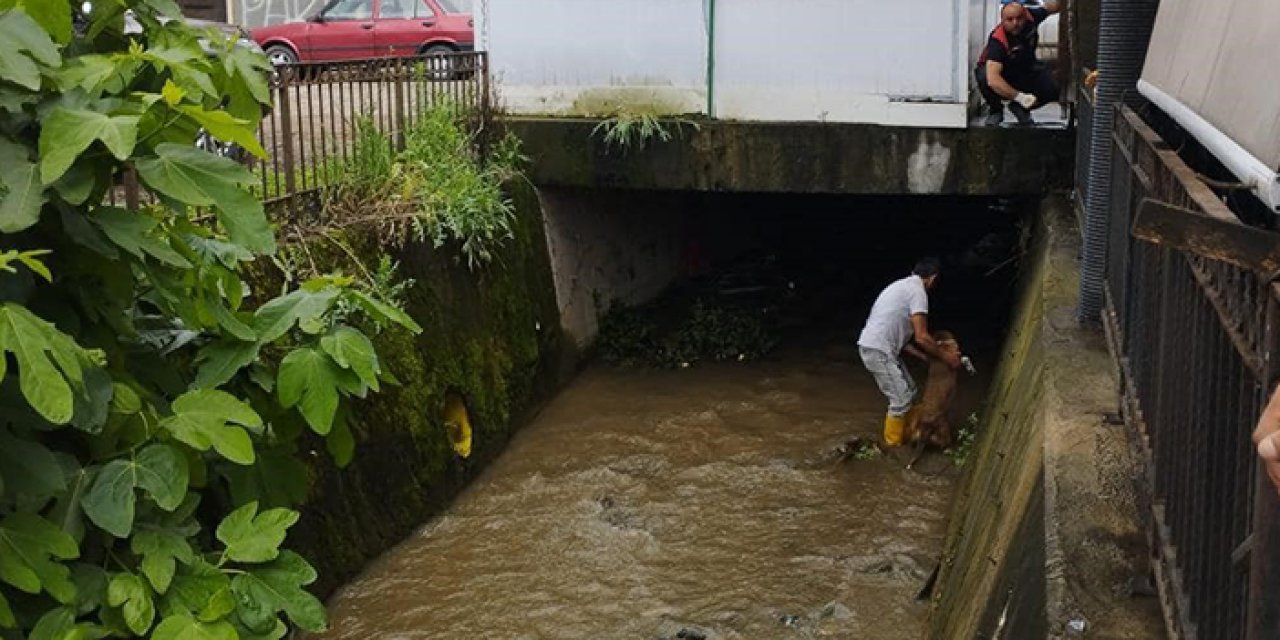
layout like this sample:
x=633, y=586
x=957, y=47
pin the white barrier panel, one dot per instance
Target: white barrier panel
x=865, y=61
x=584, y=57
x=1212, y=66
x=841, y=60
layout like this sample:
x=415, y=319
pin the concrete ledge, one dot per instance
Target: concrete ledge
x=1095, y=543
x=853, y=159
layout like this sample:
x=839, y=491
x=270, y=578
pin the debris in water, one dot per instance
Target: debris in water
x=1141, y=587
x=896, y=565
x=926, y=591
x=834, y=610
x=1076, y=626
x=859, y=448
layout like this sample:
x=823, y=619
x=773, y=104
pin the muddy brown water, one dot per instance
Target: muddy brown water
x=640, y=504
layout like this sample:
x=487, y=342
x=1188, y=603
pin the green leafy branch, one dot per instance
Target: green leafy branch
x=149, y=377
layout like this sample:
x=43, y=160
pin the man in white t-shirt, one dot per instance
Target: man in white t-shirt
x=899, y=321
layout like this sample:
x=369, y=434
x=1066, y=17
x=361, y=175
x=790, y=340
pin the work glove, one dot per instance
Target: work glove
x=1026, y=100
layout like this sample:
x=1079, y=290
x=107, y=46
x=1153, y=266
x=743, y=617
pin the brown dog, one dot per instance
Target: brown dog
x=929, y=422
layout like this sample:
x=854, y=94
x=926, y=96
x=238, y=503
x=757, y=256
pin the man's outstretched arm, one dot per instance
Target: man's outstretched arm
x=924, y=340
x=915, y=352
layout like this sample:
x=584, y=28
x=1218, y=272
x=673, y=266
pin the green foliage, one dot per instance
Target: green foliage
x=438, y=188
x=627, y=337
x=140, y=376
x=719, y=334
x=49, y=362
x=631, y=336
x=627, y=131
x=865, y=450
x=965, y=439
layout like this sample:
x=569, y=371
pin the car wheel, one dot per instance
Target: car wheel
x=281, y=54
x=440, y=65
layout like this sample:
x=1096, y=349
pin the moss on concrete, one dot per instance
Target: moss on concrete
x=611, y=101
x=804, y=158
x=1001, y=484
x=490, y=335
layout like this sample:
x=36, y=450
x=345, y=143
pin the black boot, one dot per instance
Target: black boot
x=1020, y=112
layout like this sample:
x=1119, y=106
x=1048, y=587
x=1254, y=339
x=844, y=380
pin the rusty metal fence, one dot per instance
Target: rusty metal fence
x=1196, y=341
x=316, y=106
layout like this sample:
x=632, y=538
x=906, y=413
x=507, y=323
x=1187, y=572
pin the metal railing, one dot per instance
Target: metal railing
x=316, y=106
x=1196, y=341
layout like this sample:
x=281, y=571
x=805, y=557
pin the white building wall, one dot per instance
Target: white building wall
x=587, y=57
x=841, y=60
x=804, y=60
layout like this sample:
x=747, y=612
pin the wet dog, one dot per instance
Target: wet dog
x=929, y=423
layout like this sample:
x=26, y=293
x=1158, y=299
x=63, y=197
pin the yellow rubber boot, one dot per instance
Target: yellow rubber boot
x=893, y=426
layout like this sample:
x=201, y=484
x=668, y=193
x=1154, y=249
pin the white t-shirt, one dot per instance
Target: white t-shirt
x=888, y=326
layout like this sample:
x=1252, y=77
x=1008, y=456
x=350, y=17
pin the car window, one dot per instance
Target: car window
x=455, y=6
x=350, y=10
x=405, y=9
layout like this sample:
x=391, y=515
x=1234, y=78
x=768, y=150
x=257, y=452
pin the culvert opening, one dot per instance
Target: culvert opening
x=751, y=275
x=671, y=504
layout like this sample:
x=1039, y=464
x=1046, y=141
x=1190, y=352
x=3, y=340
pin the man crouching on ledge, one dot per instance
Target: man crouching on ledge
x=899, y=321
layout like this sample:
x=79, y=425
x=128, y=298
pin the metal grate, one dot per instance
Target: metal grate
x=1196, y=345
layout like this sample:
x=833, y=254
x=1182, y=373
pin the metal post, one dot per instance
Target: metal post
x=397, y=75
x=130, y=187
x=286, y=127
x=486, y=110
x=1066, y=68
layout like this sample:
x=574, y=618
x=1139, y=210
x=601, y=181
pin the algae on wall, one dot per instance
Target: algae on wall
x=490, y=334
x=993, y=557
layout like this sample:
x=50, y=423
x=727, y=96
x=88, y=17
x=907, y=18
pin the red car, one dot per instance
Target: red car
x=347, y=29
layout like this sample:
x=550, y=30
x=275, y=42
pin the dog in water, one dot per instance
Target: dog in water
x=929, y=422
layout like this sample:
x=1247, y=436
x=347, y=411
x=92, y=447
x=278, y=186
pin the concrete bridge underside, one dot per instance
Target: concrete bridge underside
x=852, y=159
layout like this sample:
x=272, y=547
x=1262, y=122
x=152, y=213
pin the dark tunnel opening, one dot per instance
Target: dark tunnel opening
x=812, y=265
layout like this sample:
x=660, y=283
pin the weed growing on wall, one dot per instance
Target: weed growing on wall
x=963, y=447
x=628, y=131
x=151, y=403
x=437, y=189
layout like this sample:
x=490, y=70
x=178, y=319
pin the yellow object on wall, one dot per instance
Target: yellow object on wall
x=458, y=424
